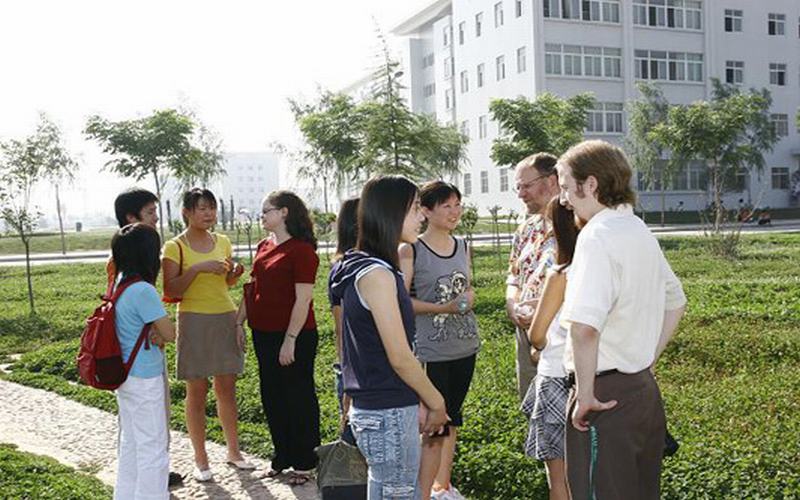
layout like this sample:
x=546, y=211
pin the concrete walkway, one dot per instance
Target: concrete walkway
x=90, y=256
x=44, y=423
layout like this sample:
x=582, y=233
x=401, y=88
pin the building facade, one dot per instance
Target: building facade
x=458, y=55
x=248, y=178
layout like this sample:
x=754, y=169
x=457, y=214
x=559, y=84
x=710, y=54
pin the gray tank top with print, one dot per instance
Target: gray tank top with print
x=440, y=279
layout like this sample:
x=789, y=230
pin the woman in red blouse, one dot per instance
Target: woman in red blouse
x=280, y=313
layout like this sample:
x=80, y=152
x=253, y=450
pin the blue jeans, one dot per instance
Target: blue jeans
x=389, y=440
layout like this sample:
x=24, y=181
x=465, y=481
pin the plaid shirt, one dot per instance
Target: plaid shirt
x=532, y=253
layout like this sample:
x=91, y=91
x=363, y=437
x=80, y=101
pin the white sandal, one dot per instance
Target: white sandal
x=202, y=476
x=242, y=464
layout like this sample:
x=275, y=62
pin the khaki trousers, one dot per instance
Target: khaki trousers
x=525, y=367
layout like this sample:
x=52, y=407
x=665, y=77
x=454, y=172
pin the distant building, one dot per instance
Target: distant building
x=248, y=178
x=460, y=54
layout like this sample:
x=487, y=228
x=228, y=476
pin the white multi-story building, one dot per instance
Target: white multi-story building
x=248, y=178
x=458, y=55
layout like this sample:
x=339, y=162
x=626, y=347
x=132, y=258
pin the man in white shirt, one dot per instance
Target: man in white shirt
x=622, y=306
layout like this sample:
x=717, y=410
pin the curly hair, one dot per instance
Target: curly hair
x=298, y=220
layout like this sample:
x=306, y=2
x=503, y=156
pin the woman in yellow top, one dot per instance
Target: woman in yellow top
x=198, y=269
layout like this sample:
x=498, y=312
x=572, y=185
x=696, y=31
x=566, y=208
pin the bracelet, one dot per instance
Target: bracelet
x=293, y=337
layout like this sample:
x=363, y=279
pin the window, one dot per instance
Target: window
x=698, y=176
x=780, y=123
x=427, y=60
x=734, y=72
x=552, y=59
x=482, y=127
x=448, y=99
x=776, y=24
x=500, y=62
x=593, y=61
x=465, y=128
x=605, y=117
x=462, y=28
x=484, y=181
x=686, y=14
x=429, y=90
x=518, y=8
x=481, y=68
x=447, y=34
x=464, y=82
x=586, y=10
x=448, y=67
x=478, y=23
x=777, y=74
x=740, y=180
x=575, y=60
x=672, y=66
x=733, y=20
x=572, y=60
x=612, y=62
x=780, y=177
x=498, y=14
x=521, y=62
x=467, y=184
x=504, y=180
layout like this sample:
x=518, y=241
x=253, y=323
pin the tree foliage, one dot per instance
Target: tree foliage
x=346, y=140
x=546, y=124
x=730, y=133
x=159, y=145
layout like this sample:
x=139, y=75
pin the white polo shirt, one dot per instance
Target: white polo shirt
x=620, y=284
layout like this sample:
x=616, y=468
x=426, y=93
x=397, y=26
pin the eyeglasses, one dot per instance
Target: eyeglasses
x=268, y=210
x=527, y=185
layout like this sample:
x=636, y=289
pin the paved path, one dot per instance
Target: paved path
x=44, y=423
x=92, y=256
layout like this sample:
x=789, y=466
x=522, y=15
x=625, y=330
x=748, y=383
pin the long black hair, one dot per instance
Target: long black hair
x=385, y=201
x=565, y=232
x=136, y=250
x=298, y=221
x=346, y=227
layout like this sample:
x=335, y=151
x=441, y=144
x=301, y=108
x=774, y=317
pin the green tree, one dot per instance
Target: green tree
x=547, y=124
x=58, y=166
x=332, y=130
x=644, y=148
x=730, y=133
x=399, y=141
x=159, y=145
x=208, y=158
x=22, y=166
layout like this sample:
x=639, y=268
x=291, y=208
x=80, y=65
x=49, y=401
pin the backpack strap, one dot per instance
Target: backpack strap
x=144, y=338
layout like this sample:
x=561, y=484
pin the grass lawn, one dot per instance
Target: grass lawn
x=24, y=475
x=730, y=380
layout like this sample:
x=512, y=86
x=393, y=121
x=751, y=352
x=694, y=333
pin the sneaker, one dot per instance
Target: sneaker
x=202, y=476
x=439, y=495
x=450, y=493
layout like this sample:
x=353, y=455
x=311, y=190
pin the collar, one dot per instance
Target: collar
x=610, y=213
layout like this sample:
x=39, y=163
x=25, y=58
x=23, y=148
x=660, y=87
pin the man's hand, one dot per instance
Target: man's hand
x=523, y=313
x=582, y=409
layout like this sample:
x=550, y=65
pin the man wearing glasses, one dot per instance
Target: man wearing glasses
x=536, y=183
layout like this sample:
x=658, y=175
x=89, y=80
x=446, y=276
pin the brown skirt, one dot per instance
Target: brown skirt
x=207, y=346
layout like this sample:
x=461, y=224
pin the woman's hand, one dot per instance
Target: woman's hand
x=433, y=419
x=241, y=338
x=286, y=356
x=211, y=266
x=236, y=269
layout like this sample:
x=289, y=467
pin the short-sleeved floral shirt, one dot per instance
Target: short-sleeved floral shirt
x=532, y=253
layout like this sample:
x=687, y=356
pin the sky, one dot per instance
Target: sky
x=234, y=62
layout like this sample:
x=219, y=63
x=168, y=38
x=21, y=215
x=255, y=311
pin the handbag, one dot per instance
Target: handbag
x=341, y=472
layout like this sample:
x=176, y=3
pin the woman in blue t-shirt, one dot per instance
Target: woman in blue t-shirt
x=392, y=399
x=142, y=453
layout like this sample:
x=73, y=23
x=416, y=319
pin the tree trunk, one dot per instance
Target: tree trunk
x=663, y=200
x=60, y=223
x=27, y=243
x=717, y=196
x=160, y=208
x=325, y=193
x=222, y=211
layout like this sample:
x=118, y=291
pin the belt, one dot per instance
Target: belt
x=570, y=380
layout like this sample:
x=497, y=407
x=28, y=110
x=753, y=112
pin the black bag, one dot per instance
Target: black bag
x=670, y=445
x=341, y=472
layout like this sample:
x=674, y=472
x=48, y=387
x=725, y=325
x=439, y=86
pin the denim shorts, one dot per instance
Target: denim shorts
x=389, y=440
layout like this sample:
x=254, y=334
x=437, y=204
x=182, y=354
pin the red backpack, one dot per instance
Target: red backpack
x=99, y=360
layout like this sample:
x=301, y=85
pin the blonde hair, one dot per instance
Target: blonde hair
x=606, y=163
